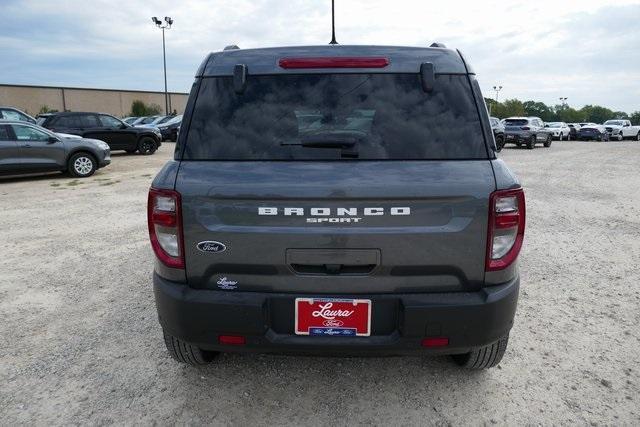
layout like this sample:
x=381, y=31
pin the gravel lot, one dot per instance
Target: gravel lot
x=81, y=343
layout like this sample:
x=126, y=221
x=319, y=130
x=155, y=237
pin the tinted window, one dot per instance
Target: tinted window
x=363, y=116
x=27, y=133
x=109, y=121
x=4, y=133
x=67, y=122
x=89, y=121
x=515, y=122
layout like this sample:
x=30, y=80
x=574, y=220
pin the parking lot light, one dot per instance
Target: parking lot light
x=168, y=22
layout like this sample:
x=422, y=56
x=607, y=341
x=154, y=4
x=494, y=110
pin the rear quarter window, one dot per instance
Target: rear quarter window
x=380, y=117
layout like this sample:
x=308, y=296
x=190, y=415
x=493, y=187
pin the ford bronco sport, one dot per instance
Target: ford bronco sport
x=336, y=200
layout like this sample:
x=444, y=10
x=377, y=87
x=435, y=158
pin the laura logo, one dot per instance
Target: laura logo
x=326, y=313
x=224, y=283
x=211, y=246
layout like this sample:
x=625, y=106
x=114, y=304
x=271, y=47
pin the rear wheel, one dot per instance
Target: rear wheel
x=549, y=140
x=499, y=143
x=82, y=165
x=483, y=357
x=531, y=142
x=186, y=353
x=147, y=145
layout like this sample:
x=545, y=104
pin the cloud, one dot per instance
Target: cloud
x=583, y=49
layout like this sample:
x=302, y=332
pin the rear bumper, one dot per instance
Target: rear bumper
x=399, y=321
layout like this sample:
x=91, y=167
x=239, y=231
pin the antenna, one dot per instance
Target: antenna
x=333, y=23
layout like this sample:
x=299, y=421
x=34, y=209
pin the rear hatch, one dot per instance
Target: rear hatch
x=335, y=184
x=515, y=125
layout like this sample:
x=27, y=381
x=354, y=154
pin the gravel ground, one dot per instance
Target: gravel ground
x=81, y=343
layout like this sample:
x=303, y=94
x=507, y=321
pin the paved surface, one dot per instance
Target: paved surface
x=81, y=343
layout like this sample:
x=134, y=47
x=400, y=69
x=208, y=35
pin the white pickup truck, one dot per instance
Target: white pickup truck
x=621, y=129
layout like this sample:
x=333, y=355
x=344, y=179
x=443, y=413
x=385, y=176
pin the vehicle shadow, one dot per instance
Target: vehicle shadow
x=301, y=388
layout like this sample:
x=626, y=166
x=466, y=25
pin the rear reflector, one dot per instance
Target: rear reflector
x=505, y=234
x=232, y=340
x=435, y=342
x=334, y=62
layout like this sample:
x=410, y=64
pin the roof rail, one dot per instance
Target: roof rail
x=437, y=44
x=231, y=47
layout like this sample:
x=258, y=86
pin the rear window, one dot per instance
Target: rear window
x=516, y=122
x=334, y=116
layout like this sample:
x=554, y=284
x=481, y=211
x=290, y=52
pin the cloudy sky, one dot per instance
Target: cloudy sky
x=586, y=50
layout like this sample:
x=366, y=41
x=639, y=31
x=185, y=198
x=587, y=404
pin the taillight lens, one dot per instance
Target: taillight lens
x=507, y=215
x=165, y=226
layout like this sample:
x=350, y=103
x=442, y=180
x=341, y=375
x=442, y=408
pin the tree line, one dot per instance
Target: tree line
x=557, y=113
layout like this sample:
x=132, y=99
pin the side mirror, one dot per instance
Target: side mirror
x=123, y=126
x=625, y=125
x=52, y=140
x=546, y=126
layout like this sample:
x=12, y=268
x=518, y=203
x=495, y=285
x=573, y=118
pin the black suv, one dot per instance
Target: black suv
x=118, y=134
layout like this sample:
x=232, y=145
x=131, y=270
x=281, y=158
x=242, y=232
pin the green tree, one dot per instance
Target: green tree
x=596, y=113
x=538, y=109
x=140, y=109
x=635, y=118
x=46, y=109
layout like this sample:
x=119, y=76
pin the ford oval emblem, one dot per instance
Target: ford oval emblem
x=211, y=246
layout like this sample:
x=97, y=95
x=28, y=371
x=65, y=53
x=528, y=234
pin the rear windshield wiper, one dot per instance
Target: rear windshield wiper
x=327, y=140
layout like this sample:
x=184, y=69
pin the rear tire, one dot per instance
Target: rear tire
x=484, y=357
x=82, y=165
x=531, y=142
x=186, y=353
x=548, y=142
x=147, y=145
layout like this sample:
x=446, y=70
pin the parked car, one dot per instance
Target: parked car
x=526, y=130
x=10, y=113
x=146, y=120
x=28, y=148
x=593, y=131
x=118, y=134
x=169, y=129
x=155, y=122
x=559, y=130
x=130, y=120
x=574, y=130
x=396, y=238
x=498, y=132
x=621, y=129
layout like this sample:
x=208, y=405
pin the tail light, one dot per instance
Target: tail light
x=334, y=62
x=525, y=128
x=506, y=228
x=165, y=226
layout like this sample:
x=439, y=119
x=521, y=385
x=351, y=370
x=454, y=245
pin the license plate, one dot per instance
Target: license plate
x=333, y=317
x=509, y=136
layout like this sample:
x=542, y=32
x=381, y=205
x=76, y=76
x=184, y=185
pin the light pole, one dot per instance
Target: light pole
x=563, y=100
x=164, y=26
x=497, y=89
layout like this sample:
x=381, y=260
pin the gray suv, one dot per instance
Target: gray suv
x=336, y=200
x=527, y=131
x=28, y=148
